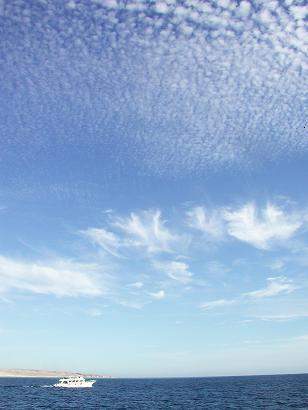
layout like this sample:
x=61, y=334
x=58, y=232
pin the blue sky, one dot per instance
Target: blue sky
x=153, y=186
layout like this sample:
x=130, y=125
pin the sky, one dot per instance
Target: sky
x=153, y=186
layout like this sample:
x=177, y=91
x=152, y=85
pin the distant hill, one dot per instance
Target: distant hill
x=45, y=373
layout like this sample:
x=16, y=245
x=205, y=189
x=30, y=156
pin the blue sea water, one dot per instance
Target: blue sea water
x=250, y=392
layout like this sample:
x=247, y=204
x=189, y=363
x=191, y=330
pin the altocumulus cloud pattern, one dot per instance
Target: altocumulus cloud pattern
x=172, y=86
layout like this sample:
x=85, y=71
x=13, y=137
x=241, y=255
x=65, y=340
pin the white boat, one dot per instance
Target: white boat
x=74, y=382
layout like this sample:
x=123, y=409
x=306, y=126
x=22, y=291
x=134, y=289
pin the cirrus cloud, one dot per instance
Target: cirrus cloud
x=276, y=286
x=176, y=270
x=59, y=278
x=261, y=227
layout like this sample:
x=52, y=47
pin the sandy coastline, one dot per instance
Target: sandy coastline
x=44, y=373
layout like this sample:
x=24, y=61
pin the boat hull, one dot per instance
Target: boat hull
x=75, y=385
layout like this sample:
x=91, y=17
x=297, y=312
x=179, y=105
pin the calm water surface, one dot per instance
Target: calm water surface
x=253, y=392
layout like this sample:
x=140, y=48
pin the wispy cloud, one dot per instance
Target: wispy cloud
x=145, y=235
x=217, y=303
x=94, y=312
x=275, y=286
x=130, y=304
x=136, y=285
x=161, y=294
x=176, y=270
x=261, y=228
x=282, y=317
x=105, y=239
x=209, y=223
x=59, y=278
x=144, y=231
x=157, y=244
x=147, y=230
x=277, y=264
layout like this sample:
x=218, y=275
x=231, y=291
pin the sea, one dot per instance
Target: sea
x=247, y=392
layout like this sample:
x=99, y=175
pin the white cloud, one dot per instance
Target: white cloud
x=272, y=5
x=71, y=4
x=129, y=304
x=265, y=16
x=179, y=322
x=105, y=239
x=147, y=230
x=244, y=8
x=60, y=278
x=238, y=88
x=112, y=4
x=278, y=264
x=205, y=221
x=276, y=286
x=282, y=317
x=158, y=295
x=94, y=312
x=178, y=271
x=217, y=303
x=161, y=7
x=299, y=12
x=136, y=285
x=224, y=3
x=261, y=228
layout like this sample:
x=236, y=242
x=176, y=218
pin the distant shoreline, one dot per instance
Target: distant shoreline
x=6, y=373
x=24, y=373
